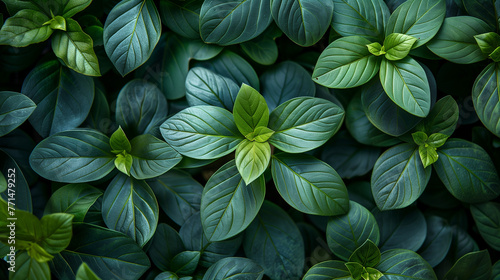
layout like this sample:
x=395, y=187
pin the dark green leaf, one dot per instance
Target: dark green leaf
x=84, y=153
x=63, y=97
x=250, y=110
x=185, y=262
x=328, y=270
x=346, y=63
x=346, y=233
x=25, y=28
x=233, y=22
x=356, y=270
x=467, y=171
x=486, y=10
x=252, y=159
x=99, y=117
x=397, y=46
x=263, y=49
x=22, y=189
x=85, y=273
x=29, y=269
x=234, y=268
x=368, y=254
x=495, y=271
x=438, y=240
x=486, y=97
x=131, y=32
x=472, y=266
x=228, y=205
x=309, y=185
x=404, y=264
x=165, y=246
x=73, y=199
x=303, y=21
x=442, y=118
x=57, y=232
x=487, y=218
x=15, y=109
x=182, y=17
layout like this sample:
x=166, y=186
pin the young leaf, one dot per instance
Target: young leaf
x=84, y=153
x=130, y=206
x=428, y=155
x=486, y=97
x=346, y=233
x=328, y=270
x=39, y=254
x=368, y=254
x=405, y=264
x=232, y=268
x=488, y=42
x=166, y=244
x=75, y=199
x=57, y=23
x=123, y=162
x=223, y=196
x=250, y=110
x=261, y=134
x=131, y=32
x=185, y=262
x=356, y=270
x=57, y=232
x=487, y=218
x=228, y=23
x=376, y=49
x=15, y=109
x=85, y=273
x=417, y=18
x=346, y=63
x=304, y=123
x=119, y=142
x=252, y=159
x=467, y=171
x=202, y=132
x=309, y=185
x=29, y=268
x=311, y=19
x=442, y=118
x=25, y=28
x=419, y=137
x=397, y=46
x=472, y=266
x=405, y=82
x=373, y=274
x=437, y=140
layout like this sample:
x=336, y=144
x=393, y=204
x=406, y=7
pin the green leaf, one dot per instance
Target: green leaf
x=486, y=97
x=368, y=254
x=437, y=140
x=75, y=199
x=486, y=10
x=222, y=200
x=303, y=21
x=103, y=250
x=182, y=17
x=185, y=262
x=25, y=28
x=304, y=123
x=442, y=118
x=57, y=232
x=356, y=270
x=233, y=22
x=405, y=82
x=420, y=19
x=234, y=268
x=3, y=183
x=472, y=266
x=346, y=63
x=15, y=109
x=428, y=155
x=376, y=49
x=131, y=32
x=419, y=137
x=119, y=142
x=261, y=134
x=438, y=240
x=361, y=18
x=263, y=48
x=205, y=87
x=23, y=193
x=57, y=23
x=75, y=48
x=309, y=185
x=495, y=271
x=178, y=194
x=346, y=233
x=467, y=171
x=27, y=227
x=84, y=153
x=252, y=159
x=398, y=177
x=487, y=218
x=455, y=40
x=202, y=132
x=130, y=206
x=63, y=97
x=328, y=270
x=397, y=46
x=373, y=274
x=166, y=244
x=495, y=55
x=284, y=82
x=39, y=254
x=85, y=273
x=274, y=242
x=99, y=115
x=250, y=110
x=405, y=264
x=488, y=42
x=151, y=157
x=123, y=162
x=29, y=269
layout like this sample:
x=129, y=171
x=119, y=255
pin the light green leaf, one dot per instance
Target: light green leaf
x=495, y=55
x=472, y=266
x=130, y=206
x=405, y=82
x=346, y=63
x=131, y=32
x=328, y=270
x=185, y=263
x=232, y=22
x=368, y=254
x=123, y=162
x=25, y=28
x=38, y=253
x=376, y=49
x=151, y=157
x=346, y=233
x=455, y=40
x=75, y=199
x=29, y=269
x=487, y=218
x=428, y=155
x=486, y=97
x=405, y=264
x=417, y=18
x=57, y=23
x=15, y=109
x=261, y=134
x=57, y=232
x=309, y=185
x=373, y=274
x=304, y=123
x=467, y=171
x=488, y=42
x=222, y=200
x=27, y=227
x=234, y=268
x=202, y=132
x=85, y=273
x=398, y=177
x=356, y=270
x=119, y=142
x=75, y=48
x=252, y=159
x=437, y=140
x=303, y=21
x=419, y=137
x=250, y=110
x=397, y=46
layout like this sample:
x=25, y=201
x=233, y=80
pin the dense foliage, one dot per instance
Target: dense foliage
x=250, y=139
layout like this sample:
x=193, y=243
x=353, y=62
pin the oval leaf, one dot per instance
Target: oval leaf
x=252, y=159
x=73, y=199
x=401, y=264
x=182, y=17
x=24, y=28
x=57, y=232
x=486, y=97
x=487, y=218
x=15, y=108
x=234, y=268
x=472, y=266
x=28, y=268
